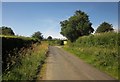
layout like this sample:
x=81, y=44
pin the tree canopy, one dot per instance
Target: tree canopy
x=76, y=26
x=38, y=35
x=104, y=27
x=6, y=31
x=49, y=38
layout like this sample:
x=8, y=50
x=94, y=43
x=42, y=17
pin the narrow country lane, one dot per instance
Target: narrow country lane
x=61, y=65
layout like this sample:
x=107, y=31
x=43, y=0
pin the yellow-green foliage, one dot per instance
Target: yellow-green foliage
x=27, y=67
x=100, y=50
x=109, y=39
x=56, y=42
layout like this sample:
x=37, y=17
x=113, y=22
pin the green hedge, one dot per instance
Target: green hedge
x=100, y=50
x=102, y=39
x=11, y=45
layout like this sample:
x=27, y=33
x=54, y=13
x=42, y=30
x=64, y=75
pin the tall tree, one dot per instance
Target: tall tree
x=6, y=31
x=76, y=26
x=104, y=27
x=38, y=35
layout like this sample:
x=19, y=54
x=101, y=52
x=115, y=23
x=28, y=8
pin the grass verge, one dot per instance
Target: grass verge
x=102, y=58
x=99, y=50
x=96, y=60
x=27, y=68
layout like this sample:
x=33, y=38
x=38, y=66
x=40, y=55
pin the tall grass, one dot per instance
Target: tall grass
x=11, y=45
x=100, y=50
x=27, y=67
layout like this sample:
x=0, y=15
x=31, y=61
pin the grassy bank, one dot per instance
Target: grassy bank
x=11, y=45
x=99, y=50
x=27, y=67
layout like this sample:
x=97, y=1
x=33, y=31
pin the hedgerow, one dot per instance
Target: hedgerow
x=100, y=50
x=11, y=45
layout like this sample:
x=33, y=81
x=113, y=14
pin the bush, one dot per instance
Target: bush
x=103, y=39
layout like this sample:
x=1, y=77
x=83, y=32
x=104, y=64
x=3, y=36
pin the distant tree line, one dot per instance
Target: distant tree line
x=74, y=27
x=4, y=30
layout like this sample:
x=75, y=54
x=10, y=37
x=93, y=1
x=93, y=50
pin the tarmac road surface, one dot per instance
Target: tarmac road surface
x=62, y=65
